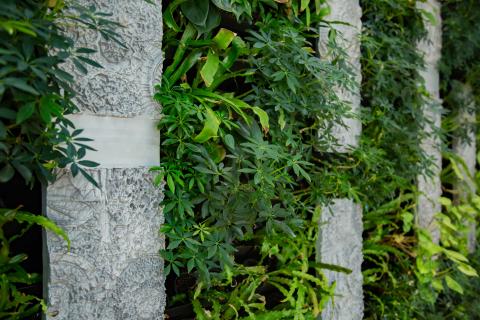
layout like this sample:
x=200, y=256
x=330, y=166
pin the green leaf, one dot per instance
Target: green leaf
x=49, y=108
x=223, y=38
x=91, y=62
x=168, y=18
x=25, y=112
x=196, y=11
x=20, y=84
x=263, y=116
x=213, y=21
x=44, y=222
x=210, y=68
x=23, y=170
x=467, y=269
x=454, y=285
x=229, y=141
x=455, y=256
x=88, y=163
x=210, y=127
x=170, y=183
x=6, y=173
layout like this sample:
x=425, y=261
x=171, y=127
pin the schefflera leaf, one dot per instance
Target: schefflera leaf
x=210, y=128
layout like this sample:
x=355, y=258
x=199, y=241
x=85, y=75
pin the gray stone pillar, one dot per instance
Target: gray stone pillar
x=430, y=188
x=340, y=236
x=113, y=270
x=466, y=148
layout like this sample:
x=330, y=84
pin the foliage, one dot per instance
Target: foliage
x=459, y=306
x=14, y=304
x=35, y=136
x=239, y=166
x=224, y=155
x=35, y=93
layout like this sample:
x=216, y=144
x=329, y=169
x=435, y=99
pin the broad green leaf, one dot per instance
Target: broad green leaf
x=263, y=116
x=6, y=173
x=467, y=269
x=196, y=11
x=229, y=141
x=25, y=112
x=210, y=68
x=23, y=170
x=213, y=21
x=454, y=285
x=186, y=65
x=223, y=38
x=210, y=127
x=171, y=183
x=304, y=4
x=456, y=256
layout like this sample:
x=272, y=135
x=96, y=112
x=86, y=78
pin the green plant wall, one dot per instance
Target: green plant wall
x=244, y=98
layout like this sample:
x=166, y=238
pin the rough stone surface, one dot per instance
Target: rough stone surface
x=348, y=11
x=124, y=86
x=340, y=229
x=340, y=243
x=466, y=148
x=431, y=187
x=113, y=270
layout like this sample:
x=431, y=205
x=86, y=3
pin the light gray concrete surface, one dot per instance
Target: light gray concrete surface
x=340, y=243
x=430, y=188
x=348, y=38
x=113, y=270
x=340, y=227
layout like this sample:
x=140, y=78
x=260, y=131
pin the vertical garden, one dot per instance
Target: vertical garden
x=250, y=105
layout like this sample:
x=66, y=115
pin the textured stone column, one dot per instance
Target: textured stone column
x=340, y=236
x=113, y=270
x=430, y=188
x=466, y=148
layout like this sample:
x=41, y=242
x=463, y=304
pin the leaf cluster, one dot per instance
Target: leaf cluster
x=36, y=137
x=244, y=116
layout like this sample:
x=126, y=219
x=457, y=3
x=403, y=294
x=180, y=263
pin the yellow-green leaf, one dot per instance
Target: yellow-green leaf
x=223, y=38
x=210, y=128
x=467, y=269
x=210, y=68
x=44, y=222
x=454, y=285
x=263, y=116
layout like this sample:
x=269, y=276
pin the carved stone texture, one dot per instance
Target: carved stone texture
x=431, y=187
x=124, y=87
x=112, y=270
x=340, y=243
x=348, y=11
x=466, y=148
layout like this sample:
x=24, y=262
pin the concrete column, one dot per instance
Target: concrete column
x=340, y=235
x=113, y=270
x=466, y=148
x=430, y=188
